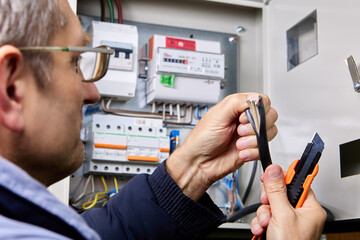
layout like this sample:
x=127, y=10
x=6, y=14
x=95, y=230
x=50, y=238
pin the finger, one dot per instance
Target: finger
x=275, y=188
x=256, y=229
x=263, y=215
x=246, y=142
x=314, y=206
x=249, y=154
x=245, y=128
x=263, y=175
x=266, y=102
x=249, y=140
x=243, y=118
x=271, y=117
x=271, y=133
x=310, y=200
x=231, y=107
x=264, y=199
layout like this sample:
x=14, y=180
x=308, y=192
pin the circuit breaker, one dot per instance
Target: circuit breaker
x=124, y=145
x=121, y=77
x=184, y=70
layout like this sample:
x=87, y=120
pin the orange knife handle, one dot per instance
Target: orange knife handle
x=307, y=185
x=291, y=172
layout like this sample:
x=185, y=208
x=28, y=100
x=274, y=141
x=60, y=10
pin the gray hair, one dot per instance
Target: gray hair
x=31, y=23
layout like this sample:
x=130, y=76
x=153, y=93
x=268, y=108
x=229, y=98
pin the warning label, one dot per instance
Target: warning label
x=180, y=43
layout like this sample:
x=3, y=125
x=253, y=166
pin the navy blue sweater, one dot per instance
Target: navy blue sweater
x=154, y=207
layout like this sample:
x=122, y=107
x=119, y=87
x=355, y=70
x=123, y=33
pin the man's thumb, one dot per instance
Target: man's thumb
x=275, y=188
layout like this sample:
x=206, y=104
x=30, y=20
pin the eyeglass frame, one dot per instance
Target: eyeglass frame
x=103, y=49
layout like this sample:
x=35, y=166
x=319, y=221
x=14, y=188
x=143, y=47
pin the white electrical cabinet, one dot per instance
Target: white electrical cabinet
x=314, y=96
x=121, y=77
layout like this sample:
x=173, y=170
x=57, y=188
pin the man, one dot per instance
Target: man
x=42, y=91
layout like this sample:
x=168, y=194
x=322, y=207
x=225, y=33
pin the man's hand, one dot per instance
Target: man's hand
x=283, y=221
x=219, y=144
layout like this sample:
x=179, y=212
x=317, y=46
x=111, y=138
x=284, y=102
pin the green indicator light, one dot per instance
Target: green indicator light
x=167, y=80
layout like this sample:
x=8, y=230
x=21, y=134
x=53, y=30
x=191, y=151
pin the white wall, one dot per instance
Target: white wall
x=317, y=95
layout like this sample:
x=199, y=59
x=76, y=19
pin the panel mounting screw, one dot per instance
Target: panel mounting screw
x=240, y=29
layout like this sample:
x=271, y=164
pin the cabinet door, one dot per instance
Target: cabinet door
x=317, y=95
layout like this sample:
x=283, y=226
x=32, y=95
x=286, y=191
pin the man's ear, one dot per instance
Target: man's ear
x=11, y=88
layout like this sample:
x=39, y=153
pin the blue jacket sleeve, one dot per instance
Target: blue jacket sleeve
x=154, y=207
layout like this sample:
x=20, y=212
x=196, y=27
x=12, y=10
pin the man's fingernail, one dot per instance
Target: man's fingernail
x=275, y=172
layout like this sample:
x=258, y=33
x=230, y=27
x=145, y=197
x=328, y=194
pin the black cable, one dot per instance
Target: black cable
x=102, y=7
x=261, y=134
x=117, y=6
x=264, y=150
x=243, y=212
x=329, y=215
x=251, y=181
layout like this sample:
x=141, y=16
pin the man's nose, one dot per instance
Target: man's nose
x=91, y=93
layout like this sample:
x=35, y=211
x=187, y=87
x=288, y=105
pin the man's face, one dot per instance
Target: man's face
x=55, y=111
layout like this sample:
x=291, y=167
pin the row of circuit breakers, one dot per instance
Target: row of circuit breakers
x=179, y=71
x=124, y=145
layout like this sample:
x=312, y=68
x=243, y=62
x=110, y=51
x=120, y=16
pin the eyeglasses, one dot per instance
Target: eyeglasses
x=92, y=63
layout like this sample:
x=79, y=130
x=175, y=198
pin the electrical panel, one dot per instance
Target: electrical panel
x=121, y=77
x=184, y=70
x=124, y=145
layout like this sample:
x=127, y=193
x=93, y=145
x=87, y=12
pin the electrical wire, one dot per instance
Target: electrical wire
x=111, y=10
x=237, y=191
x=102, y=7
x=92, y=203
x=84, y=190
x=106, y=108
x=92, y=184
x=182, y=123
x=178, y=111
x=153, y=107
x=170, y=109
x=198, y=111
x=251, y=181
x=257, y=119
x=164, y=111
x=243, y=212
x=116, y=185
x=118, y=4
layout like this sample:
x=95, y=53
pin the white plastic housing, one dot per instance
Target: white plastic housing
x=198, y=66
x=120, y=80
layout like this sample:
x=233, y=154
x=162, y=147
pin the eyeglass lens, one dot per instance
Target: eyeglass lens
x=93, y=65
